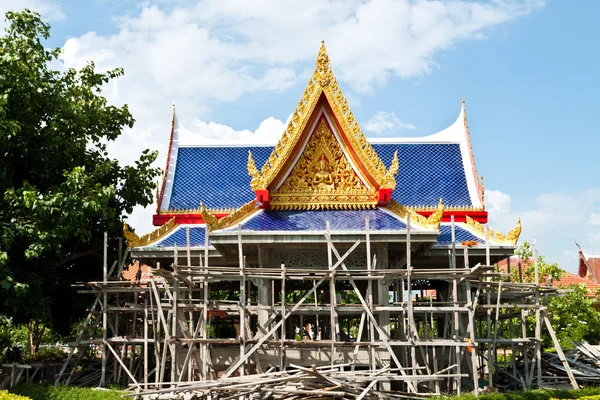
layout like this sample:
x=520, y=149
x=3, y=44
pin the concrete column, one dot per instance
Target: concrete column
x=264, y=292
x=383, y=295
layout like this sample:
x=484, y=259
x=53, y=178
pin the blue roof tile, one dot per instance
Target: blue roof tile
x=339, y=220
x=427, y=173
x=462, y=235
x=218, y=176
x=179, y=237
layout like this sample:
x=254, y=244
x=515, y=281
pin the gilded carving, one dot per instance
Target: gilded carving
x=208, y=217
x=130, y=236
x=133, y=240
x=323, y=178
x=257, y=181
x=389, y=180
x=513, y=236
x=229, y=220
x=403, y=212
x=322, y=81
x=510, y=238
x=435, y=219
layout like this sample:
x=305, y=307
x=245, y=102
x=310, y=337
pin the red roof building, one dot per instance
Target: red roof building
x=589, y=266
x=567, y=279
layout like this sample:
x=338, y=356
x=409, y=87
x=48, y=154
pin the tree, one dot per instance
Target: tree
x=572, y=315
x=59, y=189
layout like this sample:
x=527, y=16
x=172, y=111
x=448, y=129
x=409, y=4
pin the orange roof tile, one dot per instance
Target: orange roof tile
x=136, y=272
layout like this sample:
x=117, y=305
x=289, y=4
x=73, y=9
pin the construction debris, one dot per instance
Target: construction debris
x=297, y=382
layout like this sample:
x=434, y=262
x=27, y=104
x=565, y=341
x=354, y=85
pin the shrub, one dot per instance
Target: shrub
x=46, y=392
x=4, y=395
x=590, y=393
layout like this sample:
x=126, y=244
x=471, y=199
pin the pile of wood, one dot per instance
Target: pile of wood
x=295, y=383
x=583, y=359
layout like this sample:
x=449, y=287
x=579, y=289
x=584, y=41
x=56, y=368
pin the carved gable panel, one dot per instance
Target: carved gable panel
x=323, y=178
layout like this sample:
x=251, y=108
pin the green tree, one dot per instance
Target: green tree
x=574, y=317
x=572, y=314
x=59, y=189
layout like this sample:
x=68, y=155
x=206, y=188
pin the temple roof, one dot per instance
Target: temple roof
x=425, y=170
x=324, y=166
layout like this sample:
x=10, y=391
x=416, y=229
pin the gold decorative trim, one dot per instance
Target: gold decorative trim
x=415, y=218
x=389, y=180
x=435, y=219
x=510, y=238
x=446, y=208
x=177, y=211
x=322, y=81
x=215, y=223
x=133, y=240
x=323, y=178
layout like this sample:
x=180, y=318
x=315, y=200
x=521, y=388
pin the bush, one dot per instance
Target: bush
x=4, y=395
x=591, y=393
x=46, y=392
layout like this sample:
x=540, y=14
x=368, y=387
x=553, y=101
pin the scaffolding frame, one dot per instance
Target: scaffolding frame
x=160, y=332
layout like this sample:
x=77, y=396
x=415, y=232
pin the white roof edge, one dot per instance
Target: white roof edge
x=587, y=255
x=172, y=159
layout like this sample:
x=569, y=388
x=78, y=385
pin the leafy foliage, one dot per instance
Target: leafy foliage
x=572, y=315
x=59, y=189
x=4, y=395
x=591, y=393
x=547, y=272
x=44, y=392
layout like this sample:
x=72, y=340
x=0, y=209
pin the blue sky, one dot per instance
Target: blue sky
x=527, y=71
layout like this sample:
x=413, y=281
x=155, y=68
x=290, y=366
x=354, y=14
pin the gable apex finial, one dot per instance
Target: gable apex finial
x=325, y=76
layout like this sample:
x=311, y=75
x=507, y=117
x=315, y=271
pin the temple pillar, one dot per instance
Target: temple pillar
x=383, y=291
x=265, y=293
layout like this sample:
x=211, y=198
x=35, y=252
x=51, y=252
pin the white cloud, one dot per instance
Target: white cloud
x=268, y=132
x=386, y=122
x=204, y=53
x=557, y=220
x=497, y=202
x=49, y=9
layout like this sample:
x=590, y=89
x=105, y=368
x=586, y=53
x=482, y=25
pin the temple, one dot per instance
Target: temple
x=325, y=250
x=323, y=169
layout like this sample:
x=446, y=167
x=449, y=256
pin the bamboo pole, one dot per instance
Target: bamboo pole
x=104, y=313
x=490, y=357
x=242, y=300
x=146, y=341
x=370, y=291
x=282, y=348
x=538, y=322
x=332, y=300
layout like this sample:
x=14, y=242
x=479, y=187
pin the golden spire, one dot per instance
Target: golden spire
x=325, y=75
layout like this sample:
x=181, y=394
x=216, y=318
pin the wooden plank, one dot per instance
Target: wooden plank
x=561, y=355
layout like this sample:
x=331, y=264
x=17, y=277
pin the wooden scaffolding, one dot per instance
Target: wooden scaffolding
x=172, y=332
